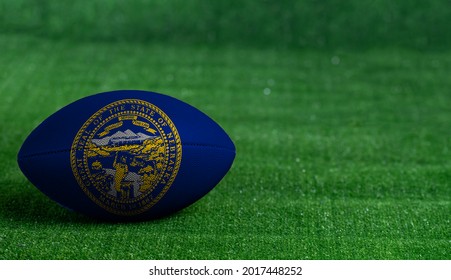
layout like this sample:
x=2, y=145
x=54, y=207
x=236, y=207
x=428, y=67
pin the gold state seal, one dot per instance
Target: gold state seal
x=126, y=156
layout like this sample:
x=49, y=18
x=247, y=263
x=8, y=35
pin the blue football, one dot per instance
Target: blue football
x=126, y=155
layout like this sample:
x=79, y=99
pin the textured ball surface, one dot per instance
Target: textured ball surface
x=126, y=155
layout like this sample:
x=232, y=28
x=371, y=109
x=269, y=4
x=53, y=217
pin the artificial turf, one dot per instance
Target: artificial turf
x=340, y=155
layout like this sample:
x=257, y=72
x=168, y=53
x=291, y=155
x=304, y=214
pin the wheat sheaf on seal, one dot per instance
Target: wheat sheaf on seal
x=126, y=156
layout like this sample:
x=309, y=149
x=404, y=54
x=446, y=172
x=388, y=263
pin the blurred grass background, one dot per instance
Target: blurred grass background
x=340, y=111
x=328, y=24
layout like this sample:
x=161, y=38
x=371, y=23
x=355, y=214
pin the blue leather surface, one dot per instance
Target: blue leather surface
x=208, y=153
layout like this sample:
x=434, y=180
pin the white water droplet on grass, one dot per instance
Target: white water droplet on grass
x=267, y=91
x=335, y=60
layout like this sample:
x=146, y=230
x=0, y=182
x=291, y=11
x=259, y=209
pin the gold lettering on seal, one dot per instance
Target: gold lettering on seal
x=109, y=128
x=145, y=125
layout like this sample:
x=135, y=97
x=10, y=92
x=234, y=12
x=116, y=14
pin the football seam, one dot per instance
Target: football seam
x=68, y=150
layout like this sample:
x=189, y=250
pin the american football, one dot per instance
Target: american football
x=126, y=155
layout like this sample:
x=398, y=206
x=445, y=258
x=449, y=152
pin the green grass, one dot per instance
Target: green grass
x=348, y=157
x=325, y=24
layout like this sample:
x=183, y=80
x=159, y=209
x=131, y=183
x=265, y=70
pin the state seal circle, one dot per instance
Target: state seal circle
x=126, y=156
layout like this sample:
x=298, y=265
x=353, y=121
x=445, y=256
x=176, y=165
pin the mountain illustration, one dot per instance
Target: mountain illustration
x=122, y=138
